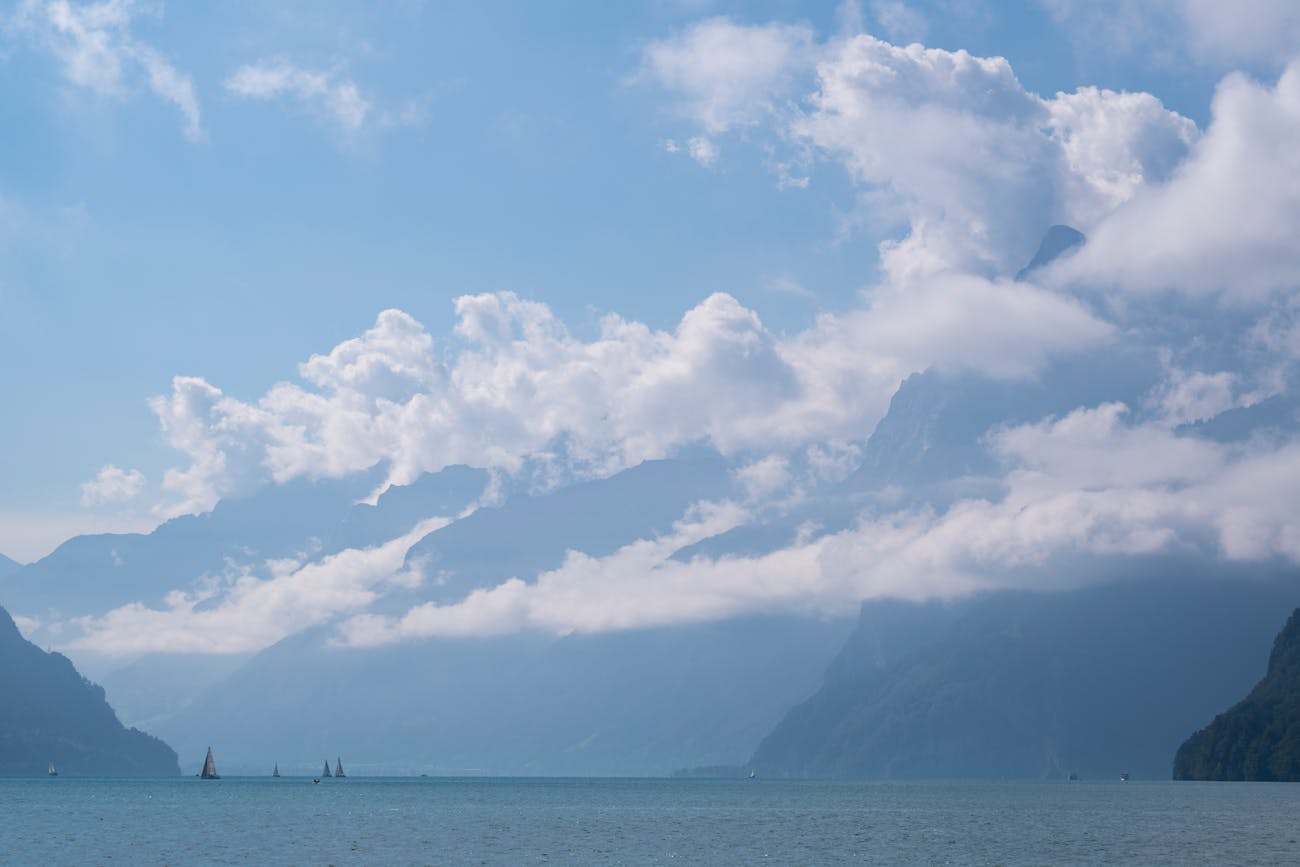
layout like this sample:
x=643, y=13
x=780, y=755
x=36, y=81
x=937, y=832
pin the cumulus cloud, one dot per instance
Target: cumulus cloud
x=336, y=98
x=1087, y=484
x=96, y=50
x=112, y=485
x=517, y=388
x=972, y=164
x=1225, y=223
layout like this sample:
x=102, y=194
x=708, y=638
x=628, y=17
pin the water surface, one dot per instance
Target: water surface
x=621, y=821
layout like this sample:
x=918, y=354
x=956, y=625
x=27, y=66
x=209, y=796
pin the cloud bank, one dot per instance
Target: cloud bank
x=520, y=389
x=1087, y=484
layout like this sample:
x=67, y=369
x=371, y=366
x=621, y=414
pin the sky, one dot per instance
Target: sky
x=250, y=242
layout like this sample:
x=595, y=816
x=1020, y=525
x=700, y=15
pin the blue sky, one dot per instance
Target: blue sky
x=504, y=147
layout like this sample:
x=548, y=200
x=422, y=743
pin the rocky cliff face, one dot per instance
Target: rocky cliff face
x=1259, y=737
x=50, y=713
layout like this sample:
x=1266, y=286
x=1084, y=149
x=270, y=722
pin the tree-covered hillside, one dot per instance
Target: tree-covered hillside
x=1259, y=738
x=50, y=713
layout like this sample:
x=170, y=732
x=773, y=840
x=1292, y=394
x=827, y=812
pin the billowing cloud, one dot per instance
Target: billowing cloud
x=519, y=388
x=96, y=50
x=336, y=98
x=973, y=165
x=1225, y=223
x=112, y=485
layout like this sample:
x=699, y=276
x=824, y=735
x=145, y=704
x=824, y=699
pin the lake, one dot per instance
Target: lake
x=652, y=821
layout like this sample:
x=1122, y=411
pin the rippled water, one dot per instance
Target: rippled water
x=522, y=821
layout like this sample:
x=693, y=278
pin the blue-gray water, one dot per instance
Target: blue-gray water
x=524, y=821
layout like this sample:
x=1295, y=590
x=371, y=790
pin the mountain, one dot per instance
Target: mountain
x=935, y=432
x=643, y=701
x=640, y=702
x=526, y=535
x=1097, y=680
x=1259, y=737
x=93, y=574
x=447, y=493
x=8, y=567
x=50, y=713
x=1058, y=241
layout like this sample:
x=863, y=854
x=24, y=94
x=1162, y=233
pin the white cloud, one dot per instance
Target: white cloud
x=764, y=478
x=94, y=45
x=584, y=594
x=242, y=612
x=1113, y=144
x=1225, y=223
x=112, y=485
x=1192, y=396
x=338, y=99
x=519, y=388
x=702, y=150
x=1081, y=486
x=728, y=74
x=975, y=166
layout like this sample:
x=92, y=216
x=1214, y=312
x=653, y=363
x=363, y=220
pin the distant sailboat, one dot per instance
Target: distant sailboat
x=338, y=769
x=276, y=772
x=326, y=772
x=51, y=771
x=209, y=768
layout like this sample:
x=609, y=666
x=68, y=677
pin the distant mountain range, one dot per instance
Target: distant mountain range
x=1097, y=681
x=1104, y=678
x=1259, y=737
x=52, y=715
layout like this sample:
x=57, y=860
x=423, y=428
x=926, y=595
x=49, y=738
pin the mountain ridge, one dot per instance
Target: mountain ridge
x=51, y=713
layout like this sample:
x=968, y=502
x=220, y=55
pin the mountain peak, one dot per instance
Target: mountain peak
x=1058, y=240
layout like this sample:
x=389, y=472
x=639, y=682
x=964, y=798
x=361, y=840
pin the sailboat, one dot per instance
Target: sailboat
x=209, y=768
x=51, y=771
x=276, y=772
x=326, y=772
x=338, y=769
